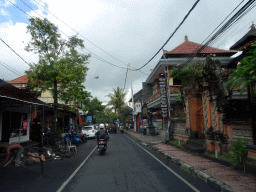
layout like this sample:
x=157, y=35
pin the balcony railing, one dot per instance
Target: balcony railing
x=173, y=90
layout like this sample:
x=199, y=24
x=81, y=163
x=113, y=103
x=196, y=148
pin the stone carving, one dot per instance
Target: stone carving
x=214, y=115
x=204, y=110
x=242, y=131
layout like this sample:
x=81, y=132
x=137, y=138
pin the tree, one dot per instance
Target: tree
x=117, y=99
x=125, y=114
x=245, y=77
x=61, y=68
x=94, y=107
x=245, y=73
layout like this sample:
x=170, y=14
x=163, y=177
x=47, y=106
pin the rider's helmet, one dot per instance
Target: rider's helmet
x=101, y=126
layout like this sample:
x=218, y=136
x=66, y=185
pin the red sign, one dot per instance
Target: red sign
x=137, y=105
x=25, y=124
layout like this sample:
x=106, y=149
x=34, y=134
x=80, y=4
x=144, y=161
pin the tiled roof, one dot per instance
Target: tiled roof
x=188, y=47
x=20, y=80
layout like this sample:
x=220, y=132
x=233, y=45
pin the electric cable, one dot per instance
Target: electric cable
x=229, y=23
x=9, y=68
x=223, y=20
x=14, y=51
x=78, y=33
x=96, y=56
x=240, y=16
x=81, y=35
x=194, y=5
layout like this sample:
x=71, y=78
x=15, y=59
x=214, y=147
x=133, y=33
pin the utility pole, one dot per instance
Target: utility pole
x=132, y=97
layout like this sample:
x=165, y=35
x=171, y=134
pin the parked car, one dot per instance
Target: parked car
x=89, y=130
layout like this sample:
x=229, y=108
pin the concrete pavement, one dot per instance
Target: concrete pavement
x=219, y=176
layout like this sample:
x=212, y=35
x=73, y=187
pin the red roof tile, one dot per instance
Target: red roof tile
x=188, y=47
x=22, y=79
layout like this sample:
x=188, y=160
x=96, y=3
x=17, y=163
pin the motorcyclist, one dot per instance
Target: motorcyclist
x=102, y=133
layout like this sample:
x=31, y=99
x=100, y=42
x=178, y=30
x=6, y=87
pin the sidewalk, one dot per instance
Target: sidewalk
x=219, y=176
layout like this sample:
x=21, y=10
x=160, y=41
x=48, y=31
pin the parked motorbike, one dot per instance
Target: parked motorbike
x=102, y=146
x=83, y=137
x=72, y=137
x=122, y=131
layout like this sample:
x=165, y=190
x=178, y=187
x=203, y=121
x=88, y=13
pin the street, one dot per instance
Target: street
x=124, y=167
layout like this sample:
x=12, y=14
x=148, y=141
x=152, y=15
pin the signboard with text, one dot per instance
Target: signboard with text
x=138, y=107
x=163, y=94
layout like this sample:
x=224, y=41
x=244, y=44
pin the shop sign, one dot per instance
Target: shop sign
x=138, y=107
x=25, y=124
x=162, y=85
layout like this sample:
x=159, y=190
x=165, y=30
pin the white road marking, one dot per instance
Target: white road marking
x=74, y=173
x=176, y=174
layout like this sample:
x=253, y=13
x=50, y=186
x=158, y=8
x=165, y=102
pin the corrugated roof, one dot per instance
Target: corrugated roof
x=9, y=91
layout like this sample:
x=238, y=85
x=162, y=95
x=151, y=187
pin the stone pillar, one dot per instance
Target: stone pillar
x=218, y=146
x=213, y=112
x=209, y=146
x=205, y=111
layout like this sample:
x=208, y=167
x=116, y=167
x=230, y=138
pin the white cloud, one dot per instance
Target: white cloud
x=130, y=30
x=3, y=12
x=6, y=3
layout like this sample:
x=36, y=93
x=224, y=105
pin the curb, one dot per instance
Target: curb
x=201, y=175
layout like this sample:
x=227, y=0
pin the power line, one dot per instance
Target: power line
x=10, y=68
x=13, y=51
x=82, y=35
x=172, y=33
x=96, y=56
x=78, y=33
x=226, y=26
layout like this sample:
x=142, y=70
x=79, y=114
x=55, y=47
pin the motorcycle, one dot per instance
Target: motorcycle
x=122, y=131
x=83, y=137
x=72, y=137
x=102, y=146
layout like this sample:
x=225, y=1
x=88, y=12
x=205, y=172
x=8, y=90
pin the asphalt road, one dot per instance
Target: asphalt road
x=126, y=166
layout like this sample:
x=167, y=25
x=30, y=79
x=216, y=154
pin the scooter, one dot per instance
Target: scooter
x=73, y=138
x=102, y=146
x=83, y=137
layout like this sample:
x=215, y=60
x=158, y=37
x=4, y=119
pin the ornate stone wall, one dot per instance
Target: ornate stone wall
x=214, y=114
x=242, y=130
x=187, y=112
x=205, y=110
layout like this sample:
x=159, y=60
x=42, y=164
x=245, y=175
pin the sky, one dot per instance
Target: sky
x=124, y=32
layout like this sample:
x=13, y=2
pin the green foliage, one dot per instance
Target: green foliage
x=117, y=99
x=239, y=152
x=61, y=68
x=176, y=144
x=197, y=73
x=187, y=170
x=125, y=114
x=245, y=73
x=181, y=97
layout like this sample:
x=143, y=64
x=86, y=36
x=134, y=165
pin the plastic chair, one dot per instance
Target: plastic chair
x=70, y=146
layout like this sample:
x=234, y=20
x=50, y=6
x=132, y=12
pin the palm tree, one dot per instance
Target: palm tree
x=117, y=99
